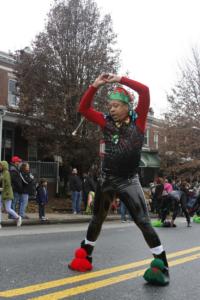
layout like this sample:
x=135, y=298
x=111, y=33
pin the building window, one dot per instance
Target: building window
x=7, y=144
x=155, y=139
x=146, y=138
x=32, y=152
x=13, y=99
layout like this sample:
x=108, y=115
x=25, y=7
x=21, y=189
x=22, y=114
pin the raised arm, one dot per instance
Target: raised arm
x=85, y=107
x=143, y=101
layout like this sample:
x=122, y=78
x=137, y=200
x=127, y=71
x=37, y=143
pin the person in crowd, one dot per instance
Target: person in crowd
x=115, y=205
x=152, y=187
x=88, y=186
x=75, y=184
x=176, y=184
x=16, y=181
x=1, y=190
x=158, y=195
x=42, y=198
x=123, y=129
x=28, y=188
x=168, y=186
x=7, y=192
x=179, y=198
x=166, y=201
x=90, y=203
x=124, y=212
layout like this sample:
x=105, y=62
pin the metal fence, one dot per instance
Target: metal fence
x=42, y=169
x=47, y=170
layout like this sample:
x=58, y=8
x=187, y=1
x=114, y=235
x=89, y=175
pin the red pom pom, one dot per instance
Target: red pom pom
x=80, y=253
x=80, y=262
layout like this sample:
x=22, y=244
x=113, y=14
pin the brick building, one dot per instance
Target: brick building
x=150, y=161
x=11, y=140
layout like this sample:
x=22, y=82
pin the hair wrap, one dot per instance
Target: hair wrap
x=120, y=94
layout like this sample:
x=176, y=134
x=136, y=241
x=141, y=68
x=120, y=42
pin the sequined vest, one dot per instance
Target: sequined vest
x=122, y=148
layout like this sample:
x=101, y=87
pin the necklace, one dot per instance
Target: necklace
x=126, y=121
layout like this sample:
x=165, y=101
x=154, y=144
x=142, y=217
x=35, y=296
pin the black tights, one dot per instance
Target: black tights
x=183, y=203
x=130, y=192
x=170, y=202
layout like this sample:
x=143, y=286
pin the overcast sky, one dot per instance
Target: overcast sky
x=154, y=35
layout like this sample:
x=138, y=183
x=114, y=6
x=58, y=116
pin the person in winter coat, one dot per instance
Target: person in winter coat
x=42, y=198
x=75, y=184
x=90, y=203
x=7, y=192
x=28, y=186
x=88, y=185
x=1, y=189
x=16, y=181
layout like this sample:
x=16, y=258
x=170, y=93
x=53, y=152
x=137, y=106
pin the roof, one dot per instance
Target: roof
x=6, y=58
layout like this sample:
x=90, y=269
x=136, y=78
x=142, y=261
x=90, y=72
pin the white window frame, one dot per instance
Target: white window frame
x=12, y=95
x=32, y=148
x=155, y=138
x=146, y=137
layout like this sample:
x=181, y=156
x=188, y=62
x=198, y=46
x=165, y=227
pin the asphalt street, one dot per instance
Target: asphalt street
x=34, y=259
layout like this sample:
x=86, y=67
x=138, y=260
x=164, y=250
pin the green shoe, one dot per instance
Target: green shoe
x=196, y=219
x=157, y=274
x=157, y=223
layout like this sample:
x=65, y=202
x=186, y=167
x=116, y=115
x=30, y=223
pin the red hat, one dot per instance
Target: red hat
x=15, y=159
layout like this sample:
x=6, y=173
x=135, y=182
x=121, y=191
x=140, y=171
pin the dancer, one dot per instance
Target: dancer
x=175, y=199
x=123, y=129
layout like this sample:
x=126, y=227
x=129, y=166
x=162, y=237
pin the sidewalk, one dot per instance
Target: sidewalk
x=58, y=218
x=54, y=218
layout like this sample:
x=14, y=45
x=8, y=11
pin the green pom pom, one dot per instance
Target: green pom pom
x=157, y=223
x=196, y=219
x=155, y=275
x=155, y=278
x=157, y=263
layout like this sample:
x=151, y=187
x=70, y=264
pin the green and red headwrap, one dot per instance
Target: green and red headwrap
x=120, y=94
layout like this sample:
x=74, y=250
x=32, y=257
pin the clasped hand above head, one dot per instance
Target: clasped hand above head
x=106, y=78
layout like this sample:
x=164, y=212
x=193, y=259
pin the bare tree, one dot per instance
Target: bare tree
x=184, y=98
x=75, y=47
x=182, y=123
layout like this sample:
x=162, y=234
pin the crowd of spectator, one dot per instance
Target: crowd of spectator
x=174, y=197
x=17, y=184
x=167, y=197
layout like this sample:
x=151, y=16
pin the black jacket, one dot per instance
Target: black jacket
x=75, y=183
x=41, y=195
x=28, y=183
x=88, y=184
x=16, y=180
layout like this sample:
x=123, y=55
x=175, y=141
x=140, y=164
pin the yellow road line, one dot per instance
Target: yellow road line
x=106, y=282
x=73, y=279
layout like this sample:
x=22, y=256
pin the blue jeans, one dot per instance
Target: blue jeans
x=41, y=210
x=124, y=211
x=76, y=201
x=9, y=210
x=16, y=200
x=0, y=208
x=15, y=203
x=23, y=203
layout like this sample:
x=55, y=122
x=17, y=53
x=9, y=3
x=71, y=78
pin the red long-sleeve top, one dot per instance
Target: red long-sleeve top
x=86, y=109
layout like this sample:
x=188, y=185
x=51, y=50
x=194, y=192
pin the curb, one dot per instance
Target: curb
x=29, y=222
